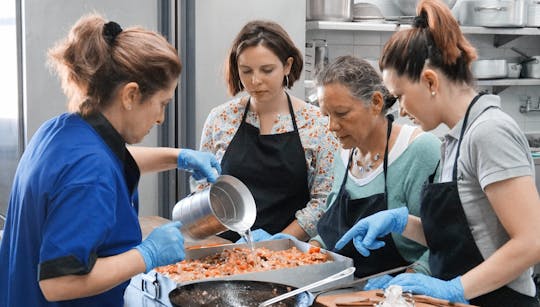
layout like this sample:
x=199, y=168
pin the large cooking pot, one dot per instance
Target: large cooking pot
x=493, y=13
x=489, y=69
x=331, y=10
x=233, y=293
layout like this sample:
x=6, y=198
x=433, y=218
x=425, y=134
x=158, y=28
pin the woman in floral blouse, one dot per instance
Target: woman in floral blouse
x=275, y=143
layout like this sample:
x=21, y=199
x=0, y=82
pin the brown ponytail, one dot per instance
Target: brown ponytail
x=91, y=66
x=435, y=40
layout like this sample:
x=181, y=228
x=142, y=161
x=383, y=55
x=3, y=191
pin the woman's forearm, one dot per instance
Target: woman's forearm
x=296, y=230
x=505, y=265
x=155, y=159
x=414, y=230
x=107, y=273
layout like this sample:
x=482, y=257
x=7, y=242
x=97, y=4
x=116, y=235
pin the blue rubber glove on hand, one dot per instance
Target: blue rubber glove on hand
x=365, y=233
x=417, y=283
x=257, y=235
x=380, y=282
x=281, y=235
x=164, y=245
x=261, y=235
x=201, y=163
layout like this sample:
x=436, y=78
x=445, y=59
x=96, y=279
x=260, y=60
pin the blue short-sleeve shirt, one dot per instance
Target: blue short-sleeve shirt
x=73, y=200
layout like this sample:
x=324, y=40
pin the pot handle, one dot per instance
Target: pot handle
x=147, y=278
x=337, y=276
x=490, y=8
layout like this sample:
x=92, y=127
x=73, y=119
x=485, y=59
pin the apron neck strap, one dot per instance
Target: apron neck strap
x=462, y=133
x=390, y=119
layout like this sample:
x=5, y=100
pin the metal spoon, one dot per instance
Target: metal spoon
x=340, y=275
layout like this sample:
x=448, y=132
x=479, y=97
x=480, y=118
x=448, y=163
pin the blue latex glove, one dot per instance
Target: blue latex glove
x=281, y=235
x=365, y=233
x=257, y=235
x=380, y=282
x=201, y=163
x=417, y=283
x=164, y=245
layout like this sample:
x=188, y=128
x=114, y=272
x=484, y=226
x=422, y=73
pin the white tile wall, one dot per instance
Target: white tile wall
x=369, y=44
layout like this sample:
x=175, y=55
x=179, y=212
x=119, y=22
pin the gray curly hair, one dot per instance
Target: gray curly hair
x=359, y=77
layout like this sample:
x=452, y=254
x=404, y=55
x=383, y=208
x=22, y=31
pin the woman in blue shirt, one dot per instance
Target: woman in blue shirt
x=72, y=236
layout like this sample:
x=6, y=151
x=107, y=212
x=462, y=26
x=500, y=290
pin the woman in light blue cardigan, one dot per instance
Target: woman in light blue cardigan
x=382, y=165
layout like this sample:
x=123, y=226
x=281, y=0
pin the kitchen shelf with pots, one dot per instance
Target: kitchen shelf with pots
x=501, y=35
x=392, y=27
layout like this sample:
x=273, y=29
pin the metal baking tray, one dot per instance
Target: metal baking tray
x=157, y=286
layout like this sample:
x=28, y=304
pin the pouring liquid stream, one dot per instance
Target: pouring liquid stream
x=249, y=241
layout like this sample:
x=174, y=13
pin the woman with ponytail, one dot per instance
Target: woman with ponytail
x=381, y=165
x=72, y=235
x=480, y=215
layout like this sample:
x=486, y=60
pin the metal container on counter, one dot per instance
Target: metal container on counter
x=330, y=10
x=156, y=286
x=225, y=205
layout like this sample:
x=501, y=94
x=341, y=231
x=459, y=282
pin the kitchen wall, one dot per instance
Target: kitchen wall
x=369, y=44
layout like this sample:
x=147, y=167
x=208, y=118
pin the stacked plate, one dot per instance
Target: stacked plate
x=367, y=12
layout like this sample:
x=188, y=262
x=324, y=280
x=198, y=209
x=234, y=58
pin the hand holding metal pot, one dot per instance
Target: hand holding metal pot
x=201, y=163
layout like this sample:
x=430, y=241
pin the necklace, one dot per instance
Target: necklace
x=365, y=163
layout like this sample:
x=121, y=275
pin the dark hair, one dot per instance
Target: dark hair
x=270, y=35
x=436, y=40
x=359, y=77
x=91, y=66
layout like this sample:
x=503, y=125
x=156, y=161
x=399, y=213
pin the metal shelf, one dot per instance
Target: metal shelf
x=508, y=82
x=500, y=85
x=392, y=27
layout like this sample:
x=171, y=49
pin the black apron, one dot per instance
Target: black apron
x=274, y=169
x=453, y=251
x=346, y=212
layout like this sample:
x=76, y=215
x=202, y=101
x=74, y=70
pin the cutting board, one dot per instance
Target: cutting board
x=369, y=298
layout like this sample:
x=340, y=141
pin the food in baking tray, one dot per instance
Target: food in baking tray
x=241, y=260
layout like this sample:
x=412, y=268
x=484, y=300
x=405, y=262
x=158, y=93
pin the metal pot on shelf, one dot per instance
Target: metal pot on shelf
x=408, y=7
x=489, y=69
x=533, y=67
x=533, y=13
x=493, y=13
x=329, y=10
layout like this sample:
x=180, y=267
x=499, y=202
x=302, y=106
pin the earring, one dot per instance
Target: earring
x=433, y=93
x=129, y=108
x=287, y=81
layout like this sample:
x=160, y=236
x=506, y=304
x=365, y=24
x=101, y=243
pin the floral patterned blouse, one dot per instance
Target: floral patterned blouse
x=319, y=146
